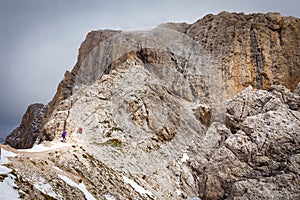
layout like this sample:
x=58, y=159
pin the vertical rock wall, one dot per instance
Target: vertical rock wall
x=257, y=49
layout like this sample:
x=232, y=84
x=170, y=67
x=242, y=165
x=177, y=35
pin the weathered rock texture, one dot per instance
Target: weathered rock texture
x=159, y=115
x=65, y=87
x=256, y=153
x=258, y=49
x=28, y=132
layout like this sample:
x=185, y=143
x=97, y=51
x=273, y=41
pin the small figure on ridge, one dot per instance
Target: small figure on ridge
x=64, y=135
x=79, y=130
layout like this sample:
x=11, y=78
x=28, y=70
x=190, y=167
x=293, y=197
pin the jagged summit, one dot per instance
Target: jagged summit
x=207, y=110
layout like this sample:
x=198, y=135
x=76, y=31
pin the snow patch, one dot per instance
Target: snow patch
x=58, y=169
x=184, y=158
x=4, y=170
x=109, y=197
x=4, y=155
x=178, y=192
x=7, y=189
x=80, y=186
x=138, y=188
x=63, y=111
x=51, y=121
x=42, y=147
x=194, y=198
x=46, y=188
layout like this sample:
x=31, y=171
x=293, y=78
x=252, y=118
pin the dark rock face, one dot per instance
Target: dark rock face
x=28, y=132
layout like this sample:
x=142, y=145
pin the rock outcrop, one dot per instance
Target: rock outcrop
x=253, y=155
x=28, y=132
x=65, y=87
x=208, y=110
x=256, y=153
x=258, y=49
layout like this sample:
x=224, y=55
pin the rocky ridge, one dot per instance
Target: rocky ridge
x=253, y=155
x=157, y=114
x=28, y=132
x=259, y=50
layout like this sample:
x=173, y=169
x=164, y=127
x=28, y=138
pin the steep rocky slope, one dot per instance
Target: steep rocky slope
x=65, y=87
x=253, y=155
x=258, y=50
x=207, y=110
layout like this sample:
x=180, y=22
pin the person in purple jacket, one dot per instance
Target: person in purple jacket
x=64, y=135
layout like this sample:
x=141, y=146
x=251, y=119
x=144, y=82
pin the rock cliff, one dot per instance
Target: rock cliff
x=258, y=50
x=208, y=110
x=28, y=132
x=65, y=87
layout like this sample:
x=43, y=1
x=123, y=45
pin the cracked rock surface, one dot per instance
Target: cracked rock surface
x=222, y=122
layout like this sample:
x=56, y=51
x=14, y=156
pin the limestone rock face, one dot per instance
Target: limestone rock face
x=92, y=39
x=257, y=49
x=29, y=130
x=209, y=110
x=65, y=87
x=253, y=155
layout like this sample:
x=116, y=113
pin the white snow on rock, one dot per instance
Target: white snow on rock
x=7, y=189
x=46, y=188
x=178, y=192
x=4, y=170
x=63, y=111
x=58, y=169
x=80, y=186
x=4, y=155
x=184, y=158
x=138, y=188
x=42, y=147
x=109, y=197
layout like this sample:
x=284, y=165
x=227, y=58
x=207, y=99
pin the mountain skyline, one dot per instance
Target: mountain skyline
x=40, y=40
x=208, y=110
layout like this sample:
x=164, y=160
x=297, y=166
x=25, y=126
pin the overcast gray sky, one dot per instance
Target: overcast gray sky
x=39, y=39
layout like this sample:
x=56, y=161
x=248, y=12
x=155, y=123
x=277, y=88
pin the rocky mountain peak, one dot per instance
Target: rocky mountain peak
x=207, y=110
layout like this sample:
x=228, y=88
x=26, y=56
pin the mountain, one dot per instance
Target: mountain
x=208, y=110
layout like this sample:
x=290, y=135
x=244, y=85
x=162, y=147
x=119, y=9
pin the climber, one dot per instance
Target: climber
x=64, y=135
x=241, y=116
x=79, y=130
